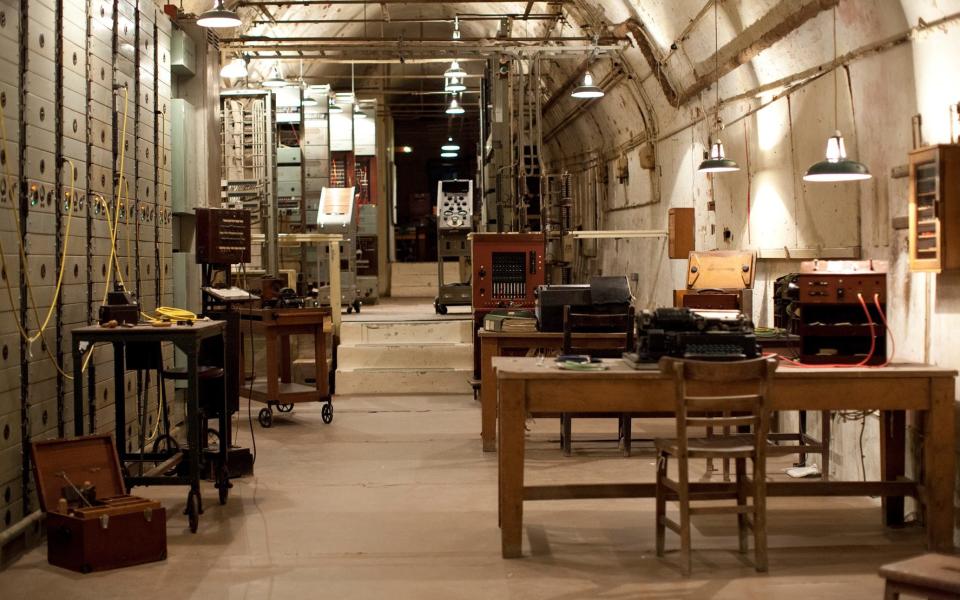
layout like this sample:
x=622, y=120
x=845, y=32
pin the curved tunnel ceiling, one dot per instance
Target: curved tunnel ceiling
x=662, y=71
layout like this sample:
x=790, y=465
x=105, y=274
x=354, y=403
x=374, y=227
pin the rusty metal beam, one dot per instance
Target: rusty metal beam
x=643, y=42
x=772, y=27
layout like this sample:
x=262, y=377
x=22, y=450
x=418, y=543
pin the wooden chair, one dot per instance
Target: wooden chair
x=932, y=576
x=583, y=323
x=711, y=384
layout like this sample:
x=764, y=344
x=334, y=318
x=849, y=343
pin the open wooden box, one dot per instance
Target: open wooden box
x=719, y=279
x=118, y=530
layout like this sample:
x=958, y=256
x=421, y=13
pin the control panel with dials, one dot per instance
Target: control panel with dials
x=455, y=204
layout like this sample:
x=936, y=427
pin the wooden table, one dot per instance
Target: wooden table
x=277, y=325
x=526, y=387
x=495, y=343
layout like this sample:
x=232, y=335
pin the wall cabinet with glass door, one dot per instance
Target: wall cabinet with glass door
x=934, y=208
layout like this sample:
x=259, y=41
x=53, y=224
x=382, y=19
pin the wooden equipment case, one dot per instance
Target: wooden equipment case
x=719, y=279
x=119, y=530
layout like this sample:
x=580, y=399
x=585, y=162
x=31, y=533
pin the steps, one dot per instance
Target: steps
x=419, y=280
x=405, y=357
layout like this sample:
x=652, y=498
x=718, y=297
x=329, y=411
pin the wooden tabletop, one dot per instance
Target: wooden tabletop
x=535, y=335
x=200, y=328
x=529, y=368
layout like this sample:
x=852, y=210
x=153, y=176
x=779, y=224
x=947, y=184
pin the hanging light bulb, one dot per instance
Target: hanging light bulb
x=836, y=166
x=717, y=161
x=450, y=146
x=218, y=17
x=456, y=28
x=455, y=108
x=275, y=79
x=587, y=89
x=235, y=69
x=454, y=84
x=455, y=71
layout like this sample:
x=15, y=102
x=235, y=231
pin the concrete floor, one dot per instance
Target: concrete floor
x=396, y=500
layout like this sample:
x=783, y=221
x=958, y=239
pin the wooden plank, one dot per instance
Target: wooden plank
x=719, y=489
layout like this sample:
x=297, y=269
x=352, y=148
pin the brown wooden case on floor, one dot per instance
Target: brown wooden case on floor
x=119, y=530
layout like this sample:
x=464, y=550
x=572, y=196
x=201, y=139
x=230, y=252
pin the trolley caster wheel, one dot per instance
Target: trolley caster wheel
x=326, y=413
x=223, y=484
x=165, y=442
x=441, y=309
x=356, y=306
x=349, y=308
x=265, y=417
x=285, y=408
x=193, y=510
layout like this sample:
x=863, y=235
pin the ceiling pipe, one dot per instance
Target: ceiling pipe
x=394, y=21
x=634, y=29
x=256, y=3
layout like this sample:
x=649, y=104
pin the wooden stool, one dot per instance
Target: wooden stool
x=933, y=576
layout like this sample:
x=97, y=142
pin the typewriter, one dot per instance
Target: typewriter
x=694, y=334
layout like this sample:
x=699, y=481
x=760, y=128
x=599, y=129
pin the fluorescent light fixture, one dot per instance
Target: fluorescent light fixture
x=454, y=84
x=219, y=17
x=275, y=79
x=455, y=108
x=235, y=69
x=836, y=166
x=455, y=71
x=586, y=89
x=450, y=146
x=448, y=154
x=718, y=162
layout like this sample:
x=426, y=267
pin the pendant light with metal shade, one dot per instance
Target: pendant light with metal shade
x=587, y=89
x=717, y=161
x=333, y=106
x=836, y=167
x=448, y=155
x=455, y=70
x=450, y=146
x=235, y=69
x=455, y=108
x=218, y=17
x=454, y=84
x=275, y=78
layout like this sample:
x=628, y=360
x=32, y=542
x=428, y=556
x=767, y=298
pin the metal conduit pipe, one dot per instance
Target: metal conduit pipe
x=10, y=533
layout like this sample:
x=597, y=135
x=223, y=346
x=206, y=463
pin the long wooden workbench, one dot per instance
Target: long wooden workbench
x=498, y=343
x=528, y=387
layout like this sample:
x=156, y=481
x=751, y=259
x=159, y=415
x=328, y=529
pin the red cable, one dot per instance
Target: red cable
x=883, y=317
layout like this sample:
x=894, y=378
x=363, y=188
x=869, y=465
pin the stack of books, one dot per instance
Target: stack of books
x=516, y=321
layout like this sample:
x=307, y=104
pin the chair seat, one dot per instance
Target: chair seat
x=204, y=372
x=937, y=572
x=720, y=446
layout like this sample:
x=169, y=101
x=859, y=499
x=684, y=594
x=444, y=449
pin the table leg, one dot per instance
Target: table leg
x=273, y=370
x=119, y=399
x=488, y=394
x=320, y=361
x=939, y=455
x=77, y=389
x=511, y=454
x=193, y=414
x=285, y=358
x=892, y=461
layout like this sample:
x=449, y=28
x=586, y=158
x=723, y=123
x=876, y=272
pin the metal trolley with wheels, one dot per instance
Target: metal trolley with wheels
x=454, y=224
x=137, y=348
x=277, y=390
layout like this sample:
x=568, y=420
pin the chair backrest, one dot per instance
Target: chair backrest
x=593, y=322
x=726, y=394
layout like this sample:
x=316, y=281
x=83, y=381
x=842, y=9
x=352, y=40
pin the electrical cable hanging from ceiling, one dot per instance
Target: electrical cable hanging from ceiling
x=717, y=161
